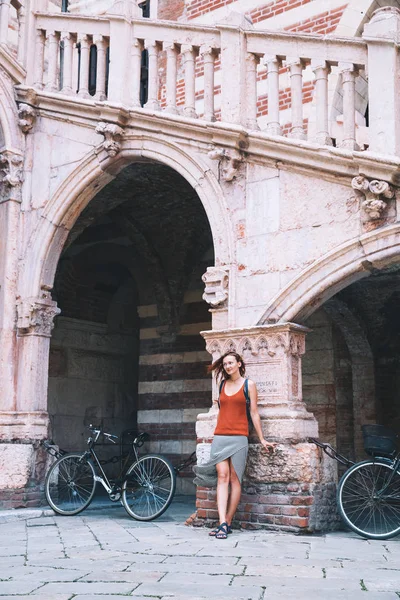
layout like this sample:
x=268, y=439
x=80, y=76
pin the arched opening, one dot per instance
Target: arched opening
x=351, y=368
x=126, y=350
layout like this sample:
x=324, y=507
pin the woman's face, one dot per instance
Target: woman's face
x=231, y=365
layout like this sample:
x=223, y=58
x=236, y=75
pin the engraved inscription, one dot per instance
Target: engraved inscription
x=268, y=377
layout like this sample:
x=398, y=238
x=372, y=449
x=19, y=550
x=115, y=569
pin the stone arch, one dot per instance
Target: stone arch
x=93, y=173
x=11, y=137
x=333, y=272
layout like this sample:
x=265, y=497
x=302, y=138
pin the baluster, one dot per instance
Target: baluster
x=53, y=50
x=273, y=64
x=101, y=46
x=208, y=55
x=75, y=67
x=4, y=20
x=83, y=40
x=321, y=70
x=296, y=84
x=152, y=48
x=251, y=90
x=21, y=33
x=136, y=55
x=39, y=59
x=349, y=72
x=189, y=57
x=172, y=55
x=67, y=70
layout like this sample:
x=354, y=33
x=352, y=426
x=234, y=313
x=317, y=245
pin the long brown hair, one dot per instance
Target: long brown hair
x=218, y=366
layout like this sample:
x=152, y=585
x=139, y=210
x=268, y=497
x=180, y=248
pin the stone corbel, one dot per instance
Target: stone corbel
x=216, y=282
x=229, y=161
x=11, y=176
x=27, y=117
x=374, y=193
x=112, y=137
x=36, y=316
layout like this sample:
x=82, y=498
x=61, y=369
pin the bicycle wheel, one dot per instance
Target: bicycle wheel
x=70, y=484
x=149, y=487
x=369, y=499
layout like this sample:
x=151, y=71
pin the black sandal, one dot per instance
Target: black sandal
x=222, y=532
x=214, y=531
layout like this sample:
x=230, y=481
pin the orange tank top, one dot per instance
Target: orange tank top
x=232, y=418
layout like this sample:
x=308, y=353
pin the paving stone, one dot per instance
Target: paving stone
x=296, y=583
x=136, y=576
x=78, y=587
x=194, y=591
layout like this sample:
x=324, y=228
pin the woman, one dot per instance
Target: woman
x=230, y=444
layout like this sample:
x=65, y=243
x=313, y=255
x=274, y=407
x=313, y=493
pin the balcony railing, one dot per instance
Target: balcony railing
x=304, y=86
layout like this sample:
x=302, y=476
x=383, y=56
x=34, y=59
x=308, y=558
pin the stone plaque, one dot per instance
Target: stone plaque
x=268, y=376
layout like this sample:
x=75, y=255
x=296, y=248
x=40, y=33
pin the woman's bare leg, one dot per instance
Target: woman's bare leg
x=223, y=472
x=234, y=496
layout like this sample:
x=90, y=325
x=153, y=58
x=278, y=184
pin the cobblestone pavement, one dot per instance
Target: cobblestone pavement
x=103, y=554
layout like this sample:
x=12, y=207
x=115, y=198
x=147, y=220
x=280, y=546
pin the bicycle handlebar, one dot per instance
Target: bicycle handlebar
x=331, y=452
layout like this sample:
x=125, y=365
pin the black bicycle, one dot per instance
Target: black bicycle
x=368, y=494
x=145, y=486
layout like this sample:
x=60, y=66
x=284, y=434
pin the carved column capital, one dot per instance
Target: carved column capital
x=27, y=117
x=216, y=282
x=112, y=137
x=36, y=316
x=11, y=176
x=374, y=193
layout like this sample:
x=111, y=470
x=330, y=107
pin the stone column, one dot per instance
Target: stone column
x=11, y=165
x=67, y=71
x=4, y=19
x=382, y=35
x=251, y=88
x=349, y=71
x=273, y=65
x=321, y=70
x=136, y=65
x=172, y=55
x=189, y=61
x=296, y=84
x=83, y=40
x=53, y=56
x=278, y=490
x=152, y=48
x=101, y=46
x=208, y=55
x=39, y=62
x=21, y=33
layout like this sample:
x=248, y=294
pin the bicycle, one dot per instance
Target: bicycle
x=146, y=487
x=368, y=494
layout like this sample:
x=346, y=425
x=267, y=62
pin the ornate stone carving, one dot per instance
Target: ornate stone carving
x=27, y=117
x=36, y=316
x=374, y=193
x=11, y=176
x=216, y=286
x=112, y=137
x=229, y=161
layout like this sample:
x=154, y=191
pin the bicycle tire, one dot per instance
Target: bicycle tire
x=149, y=487
x=369, y=514
x=70, y=484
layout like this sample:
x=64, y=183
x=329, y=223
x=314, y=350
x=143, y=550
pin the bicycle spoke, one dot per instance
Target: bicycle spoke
x=70, y=484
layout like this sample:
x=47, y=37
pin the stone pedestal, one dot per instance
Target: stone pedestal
x=279, y=491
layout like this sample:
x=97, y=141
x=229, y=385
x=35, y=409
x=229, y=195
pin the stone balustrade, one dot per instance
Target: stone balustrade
x=228, y=73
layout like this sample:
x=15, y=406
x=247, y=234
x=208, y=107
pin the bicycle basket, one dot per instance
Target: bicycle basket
x=378, y=440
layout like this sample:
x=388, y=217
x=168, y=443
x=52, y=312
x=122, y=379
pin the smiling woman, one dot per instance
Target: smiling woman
x=230, y=444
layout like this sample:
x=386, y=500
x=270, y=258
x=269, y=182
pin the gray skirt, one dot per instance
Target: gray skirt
x=223, y=447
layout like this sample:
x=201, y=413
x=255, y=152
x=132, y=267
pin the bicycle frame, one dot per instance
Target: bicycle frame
x=90, y=453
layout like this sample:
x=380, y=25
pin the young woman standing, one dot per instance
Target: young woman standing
x=230, y=444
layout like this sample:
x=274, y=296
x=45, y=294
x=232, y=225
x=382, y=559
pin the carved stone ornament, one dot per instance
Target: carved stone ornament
x=36, y=316
x=374, y=193
x=216, y=286
x=112, y=137
x=229, y=161
x=11, y=176
x=27, y=117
